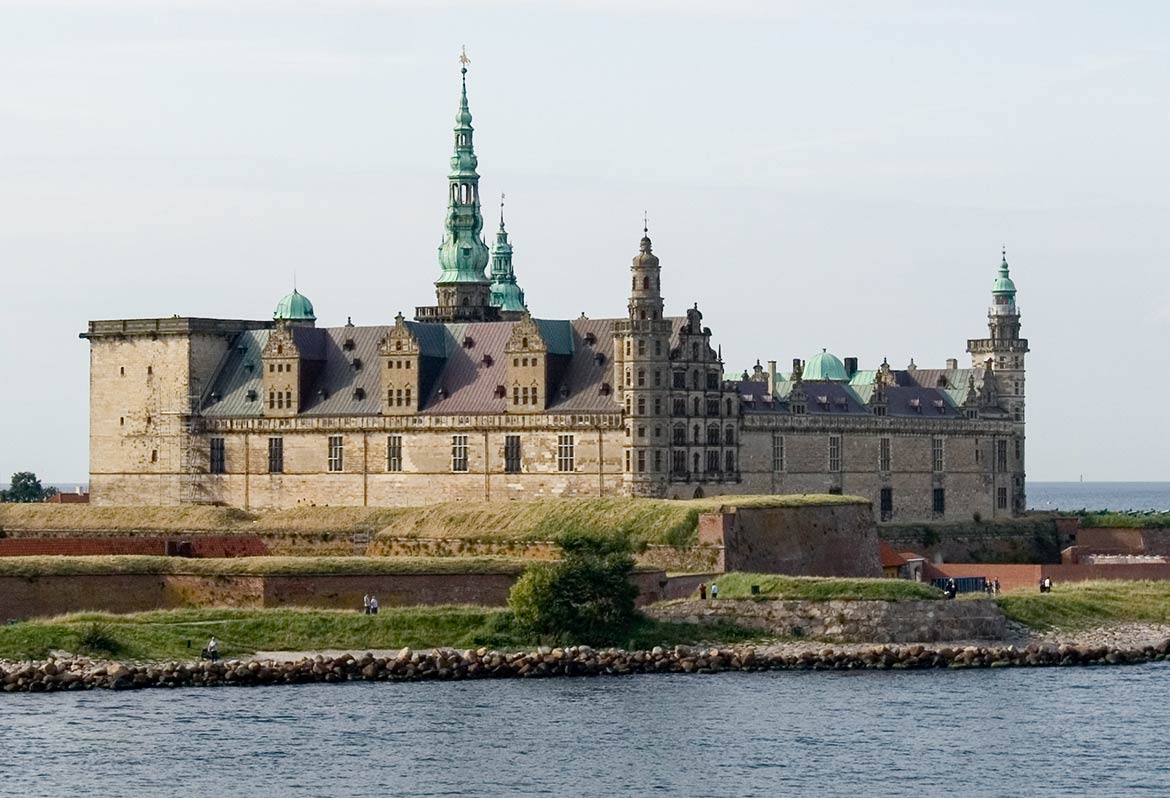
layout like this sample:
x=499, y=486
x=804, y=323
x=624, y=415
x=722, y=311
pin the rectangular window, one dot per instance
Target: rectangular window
x=336, y=453
x=658, y=460
x=276, y=455
x=680, y=407
x=1001, y=456
x=641, y=460
x=712, y=407
x=712, y=381
x=512, y=454
x=834, y=452
x=729, y=462
x=218, y=461
x=936, y=455
x=1019, y=450
x=458, y=452
x=938, y=502
x=678, y=462
x=679, y=379
x=777, y=451
x=712, y=462
x=1001, y=498
x=886, y=503
x=565, y=453
x=884, y=454
x=394, y=453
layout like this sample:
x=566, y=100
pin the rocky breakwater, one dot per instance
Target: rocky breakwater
x=450, y=665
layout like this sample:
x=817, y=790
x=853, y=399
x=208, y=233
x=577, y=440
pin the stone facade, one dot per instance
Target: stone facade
x=473, y=401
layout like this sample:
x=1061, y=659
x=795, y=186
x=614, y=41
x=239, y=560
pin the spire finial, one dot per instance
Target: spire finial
x=501, y=210
x=463, y=59
x=645, y=223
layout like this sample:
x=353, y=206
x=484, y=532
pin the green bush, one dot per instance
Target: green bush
x=98, y=638
x=585, y=597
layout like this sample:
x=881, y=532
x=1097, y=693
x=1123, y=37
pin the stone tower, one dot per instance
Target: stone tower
x=506, y=294
x=463, y=290
x=1002, y=355
x=642, y=372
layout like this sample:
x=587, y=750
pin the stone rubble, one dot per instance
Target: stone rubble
x=79, y=673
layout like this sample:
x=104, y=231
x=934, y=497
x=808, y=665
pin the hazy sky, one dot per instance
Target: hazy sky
x=817, y=174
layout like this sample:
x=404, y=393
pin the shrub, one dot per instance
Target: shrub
x=98, y=638
x=585, y=597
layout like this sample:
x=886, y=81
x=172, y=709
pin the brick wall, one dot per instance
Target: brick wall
x=192, y=546
x=1013, y=577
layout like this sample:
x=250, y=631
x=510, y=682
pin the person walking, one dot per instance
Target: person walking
x=702, y=592
x=714, y=591
x=995, y=586
x=373, y=605
x=366, y=604
x=213, y=649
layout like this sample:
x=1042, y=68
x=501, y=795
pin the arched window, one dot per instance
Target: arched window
x=642, y=315
x=728, y=405
x=695, y=431
x=646, y=283
x=695, y=406
x=730, y=462
x=695, y=467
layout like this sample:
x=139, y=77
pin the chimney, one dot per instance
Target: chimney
x=797, y=365
x=850, y=366
x=952, y=363
x=771, y=377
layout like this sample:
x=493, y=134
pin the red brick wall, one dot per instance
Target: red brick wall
x=1013, y=577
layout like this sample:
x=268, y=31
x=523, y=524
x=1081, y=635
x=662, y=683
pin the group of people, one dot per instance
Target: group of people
x=703, y=591
x=369, y=604
x=1046, y=585
x=991, y=586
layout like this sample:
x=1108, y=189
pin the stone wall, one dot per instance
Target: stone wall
x=186, y=546
x=817, y=540
x=868, y=621
x=26, y=597
x=1029, y=539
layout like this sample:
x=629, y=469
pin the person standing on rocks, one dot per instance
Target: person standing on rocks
x=213, y=649
x=373, y=609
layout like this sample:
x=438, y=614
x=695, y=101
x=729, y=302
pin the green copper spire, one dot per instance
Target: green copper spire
x=506, y=294
x=1003, y=283
x=463, y=255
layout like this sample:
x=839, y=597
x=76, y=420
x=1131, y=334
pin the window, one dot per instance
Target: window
x=712, y=407
x=657, y=378
x=641, y=460
x=276, y=455
x=512, y=454
x=515, y=394
x=938, y=501
x=336, y=451
x=729, y=435
x=777, y=451
x=729, y=462
x=695, y=406
x=936, y=455
x=217, y=456
x=641, y=378
x=458, y=452
x=657, y=406
x=1001, y=498
x=834, y=452
x=1018, y=414
x=565, y=453
x=641, y=405
x=658, y=348
x=712, y=436
x=886, y=503
x=680, y=407
x=695, y=352
x=1019, y=449
x=154, y=455
x=884, y=454
x=679, y=435
x=641, y=431
x=678, y=463
x=679, y=379
x=657, y=460
x=712, y=381
x=695, y=431
x=394, y=453
x=712, y=462
x=641, y=346
x=1001, y=456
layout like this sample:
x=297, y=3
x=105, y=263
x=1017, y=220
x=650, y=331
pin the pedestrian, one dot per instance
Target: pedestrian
x=987, y=585
x=213, y=649
x=373, y=605
x=1047, y=585
x=995, y=586
x=702, y=592
x=952, y=588
x=714, y=591
x=366, y=604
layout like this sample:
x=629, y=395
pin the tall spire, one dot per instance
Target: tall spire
x=463, y=255
x=506, y=294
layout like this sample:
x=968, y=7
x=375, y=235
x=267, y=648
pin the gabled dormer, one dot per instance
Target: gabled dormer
x=526, y=355
x=399, y=359
x=280, y=362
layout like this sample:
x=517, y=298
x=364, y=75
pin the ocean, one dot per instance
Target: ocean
x=1115, y=496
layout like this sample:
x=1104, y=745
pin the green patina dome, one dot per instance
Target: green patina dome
x=825, y=366
x=294, y=307
x=1003, y=283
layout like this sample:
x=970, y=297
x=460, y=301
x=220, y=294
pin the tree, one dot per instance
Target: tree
x=25, y=488
x=585, y=597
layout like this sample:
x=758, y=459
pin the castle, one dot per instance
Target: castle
x=477, y=399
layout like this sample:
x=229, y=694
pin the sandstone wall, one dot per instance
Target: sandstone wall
x=821, y=540
x=869, y=621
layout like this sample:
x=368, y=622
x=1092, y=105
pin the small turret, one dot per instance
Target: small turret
x=505, y=292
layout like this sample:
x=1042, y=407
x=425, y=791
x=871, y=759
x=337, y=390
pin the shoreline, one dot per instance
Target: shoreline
x=1134, y=644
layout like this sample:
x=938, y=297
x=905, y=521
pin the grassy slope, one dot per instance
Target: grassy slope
x=651, y=521
x=1130, y=520
x=1080, y=605
x=738, y=585
x=133, y=564
x=164, y=634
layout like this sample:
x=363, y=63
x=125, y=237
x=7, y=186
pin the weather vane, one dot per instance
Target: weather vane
x=645, y=223
x=463, y=59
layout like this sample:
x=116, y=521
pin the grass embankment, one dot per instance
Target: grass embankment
x=643, y=520
x=1084, y=605
x=164, y=634
x=811, y=588
x=255, y=566
x=1126, y=520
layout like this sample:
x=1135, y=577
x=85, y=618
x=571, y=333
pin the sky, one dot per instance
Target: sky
x=816, y=175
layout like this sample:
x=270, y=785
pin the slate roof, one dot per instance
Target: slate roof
x=456, y=378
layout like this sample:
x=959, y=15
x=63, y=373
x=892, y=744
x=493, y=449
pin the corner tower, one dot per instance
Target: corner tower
x=1002, y=356
x=463, y=291
x=642, y=370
